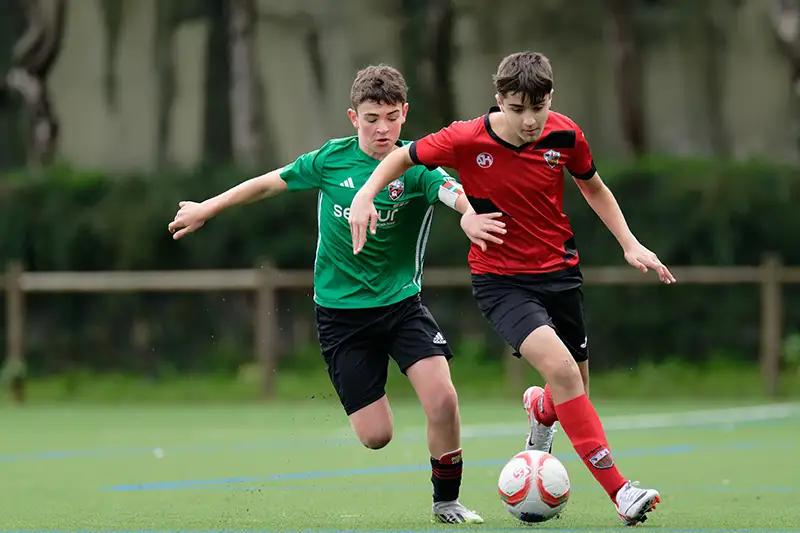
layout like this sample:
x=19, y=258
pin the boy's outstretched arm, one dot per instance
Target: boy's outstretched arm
x=192, y=215
x=362, y=209
x=392, y=167
x=602, y=201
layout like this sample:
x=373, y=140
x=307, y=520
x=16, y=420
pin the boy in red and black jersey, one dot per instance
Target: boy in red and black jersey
x=528, y=283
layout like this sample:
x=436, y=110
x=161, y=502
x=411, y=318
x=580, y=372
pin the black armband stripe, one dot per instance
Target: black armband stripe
x=412, y=152
x=589, y=174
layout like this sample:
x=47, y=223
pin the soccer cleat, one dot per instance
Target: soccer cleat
x=454, y=513
x=634, y=503
x=540, y=437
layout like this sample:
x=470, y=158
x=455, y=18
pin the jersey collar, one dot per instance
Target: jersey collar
x=493, y=134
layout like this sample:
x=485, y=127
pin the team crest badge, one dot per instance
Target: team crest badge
x=396, y=189
x=602, y=459
x=551, y=157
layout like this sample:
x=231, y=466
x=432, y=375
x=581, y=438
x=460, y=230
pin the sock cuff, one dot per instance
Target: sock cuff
x=448, y=467
x=453, y=458
x=579, y=402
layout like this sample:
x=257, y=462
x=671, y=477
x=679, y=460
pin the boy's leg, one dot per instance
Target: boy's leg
x=373, y=424
x=357, y=358
x=421, y=352
x=516, y=311
x=564, y=304
x=430, y=378
x=545, y=351
x=583, y=368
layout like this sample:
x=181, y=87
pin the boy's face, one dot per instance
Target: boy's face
x=525, y=119
x=378, y=125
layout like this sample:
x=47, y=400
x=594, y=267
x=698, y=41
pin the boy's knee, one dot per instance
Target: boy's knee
x=373, y=424
x=443, y=405
x=548, y=354
x=565, y=374
x=375, y=440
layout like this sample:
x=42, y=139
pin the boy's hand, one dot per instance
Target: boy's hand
x=479, y=228
x=363, y=216
x=190, y=217
x=641, y=258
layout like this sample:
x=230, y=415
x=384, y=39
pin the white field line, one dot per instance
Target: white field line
x=728, y=416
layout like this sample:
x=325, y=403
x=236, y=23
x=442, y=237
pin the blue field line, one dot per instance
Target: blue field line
x=509, y=530
x=132, y=451
x=395, y=469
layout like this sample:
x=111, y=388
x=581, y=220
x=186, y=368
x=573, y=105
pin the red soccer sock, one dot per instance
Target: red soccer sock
x=585, y=432
x=547, y=414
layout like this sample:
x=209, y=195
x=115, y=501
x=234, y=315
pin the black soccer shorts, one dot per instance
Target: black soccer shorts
x=517, y=305
x=356, y=345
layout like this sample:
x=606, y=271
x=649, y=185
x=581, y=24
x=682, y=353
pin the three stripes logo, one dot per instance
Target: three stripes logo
x=348, y=184
x=439, y=338
x=450, y=518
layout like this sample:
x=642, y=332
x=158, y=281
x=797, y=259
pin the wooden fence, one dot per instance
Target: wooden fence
x=265, y=280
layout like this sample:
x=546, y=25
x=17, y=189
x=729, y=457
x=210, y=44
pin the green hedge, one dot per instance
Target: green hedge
x=689, y=212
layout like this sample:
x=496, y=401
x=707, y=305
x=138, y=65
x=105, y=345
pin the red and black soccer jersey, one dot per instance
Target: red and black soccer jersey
x=525, y=183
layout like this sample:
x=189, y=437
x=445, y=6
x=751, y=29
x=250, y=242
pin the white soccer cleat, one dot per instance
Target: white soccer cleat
x=454, y=513
x=540, y=437
x=634, y=503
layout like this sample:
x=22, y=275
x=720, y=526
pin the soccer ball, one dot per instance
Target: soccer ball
x=534, y=486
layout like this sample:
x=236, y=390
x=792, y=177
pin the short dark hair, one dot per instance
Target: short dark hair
x=528, y=73
x=381, y=84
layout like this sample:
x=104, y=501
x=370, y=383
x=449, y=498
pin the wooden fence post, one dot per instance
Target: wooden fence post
x=771, y=323
x=266, y=328
x=15, y=331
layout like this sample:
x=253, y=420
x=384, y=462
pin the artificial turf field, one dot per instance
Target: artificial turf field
x=296, y=467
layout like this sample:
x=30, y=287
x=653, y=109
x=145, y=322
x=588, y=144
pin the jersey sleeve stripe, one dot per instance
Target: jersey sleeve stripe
x=422, y=243
x=589, y=174
x=412, y=152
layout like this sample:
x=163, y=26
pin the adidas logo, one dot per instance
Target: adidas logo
x=348, y=183
x=439, y=338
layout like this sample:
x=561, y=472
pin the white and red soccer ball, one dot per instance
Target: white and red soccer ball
x=534, y=486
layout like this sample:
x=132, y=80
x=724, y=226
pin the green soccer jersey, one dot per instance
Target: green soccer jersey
x=389, y=268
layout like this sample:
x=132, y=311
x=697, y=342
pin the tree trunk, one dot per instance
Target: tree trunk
x=629, y=76
x=717, y=19
x=786, y=21
x=427, y=38
x=441, y=21
x=785, y=16
x=245, y=96
x=33, y=58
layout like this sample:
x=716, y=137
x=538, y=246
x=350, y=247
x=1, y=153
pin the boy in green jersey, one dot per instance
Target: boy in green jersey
x=368, y=306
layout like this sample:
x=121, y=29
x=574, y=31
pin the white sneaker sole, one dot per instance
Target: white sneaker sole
x=639, y=516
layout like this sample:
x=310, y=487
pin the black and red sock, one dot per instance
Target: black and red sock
x=446, y=476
